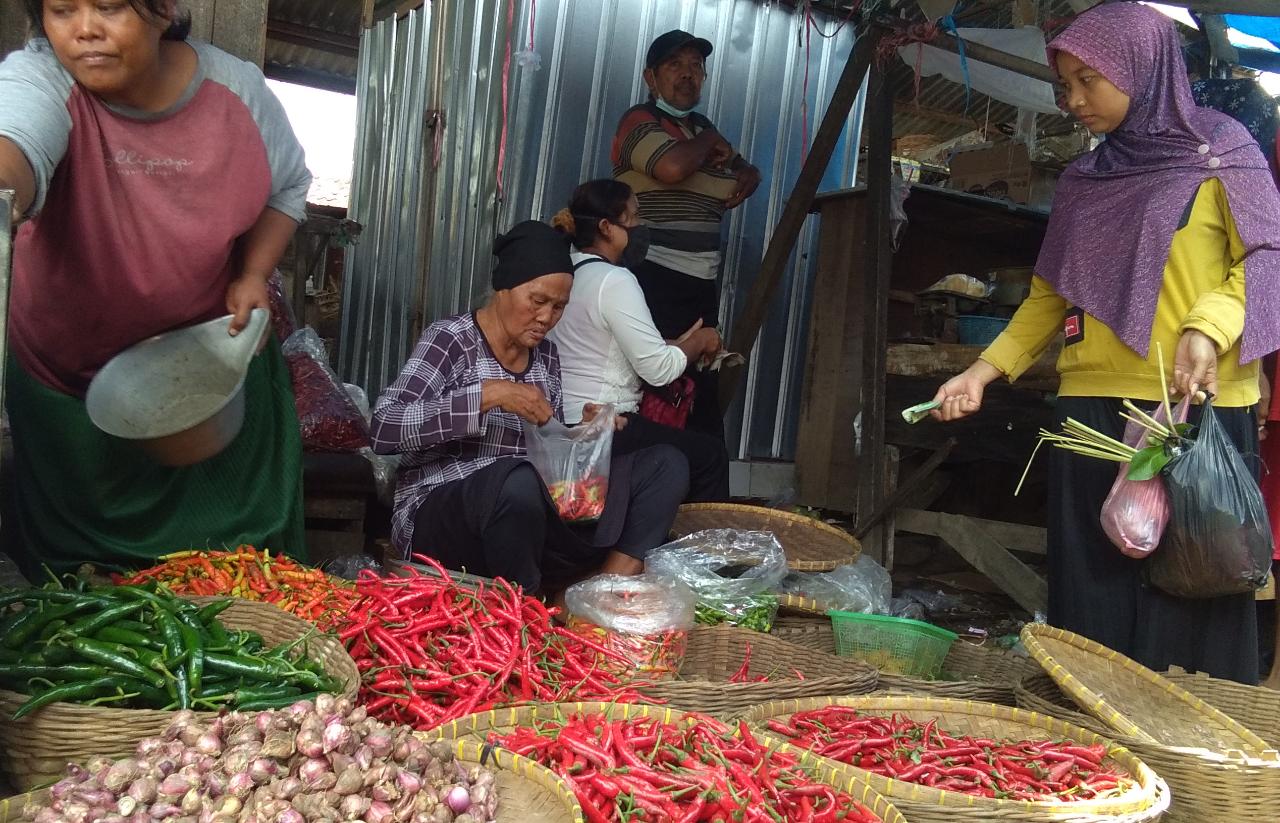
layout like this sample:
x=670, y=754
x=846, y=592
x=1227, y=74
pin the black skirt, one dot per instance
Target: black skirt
x=1096, y=591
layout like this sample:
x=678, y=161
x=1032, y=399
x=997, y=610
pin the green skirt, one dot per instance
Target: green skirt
x=83, y=496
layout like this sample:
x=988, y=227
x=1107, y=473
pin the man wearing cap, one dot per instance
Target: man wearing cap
x=685, y=176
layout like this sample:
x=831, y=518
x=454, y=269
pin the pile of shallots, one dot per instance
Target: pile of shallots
x=322, y=762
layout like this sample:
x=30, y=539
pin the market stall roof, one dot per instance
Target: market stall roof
x=314, y=42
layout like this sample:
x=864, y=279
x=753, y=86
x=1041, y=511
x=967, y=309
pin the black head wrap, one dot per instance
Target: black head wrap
x=527, y=252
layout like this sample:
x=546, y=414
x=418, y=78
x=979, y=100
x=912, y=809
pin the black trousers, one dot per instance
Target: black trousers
x=708, y=460
x=677, y=301
x=1097, y=592
x=500, y=521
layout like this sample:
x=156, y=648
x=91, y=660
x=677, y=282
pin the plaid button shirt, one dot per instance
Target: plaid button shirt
x=431, y=414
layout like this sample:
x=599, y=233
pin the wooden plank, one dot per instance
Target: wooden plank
x=1012, y=536
x=944, y=360
x=783, y=240
x=901, y=491
x=878, y=251
x=13, y=26
x=825, y=446
x=240, y=28
x=973, y=541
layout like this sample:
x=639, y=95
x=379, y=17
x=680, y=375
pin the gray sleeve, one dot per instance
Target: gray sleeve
x=33, y=113
x=290, y=178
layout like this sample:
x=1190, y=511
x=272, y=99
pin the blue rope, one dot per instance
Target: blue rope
x=949, y=23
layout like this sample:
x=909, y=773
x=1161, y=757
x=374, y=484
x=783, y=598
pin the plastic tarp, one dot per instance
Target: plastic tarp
x=1268, y=28
x=1001, y=84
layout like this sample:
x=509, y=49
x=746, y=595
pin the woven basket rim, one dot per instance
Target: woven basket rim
x=1142, y=799
x=1024, y=693
x=471, y=751
x=850, y=783
x=1100, y=708
x=801, y=563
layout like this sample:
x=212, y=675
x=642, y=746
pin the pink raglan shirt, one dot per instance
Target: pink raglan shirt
x=137, y=215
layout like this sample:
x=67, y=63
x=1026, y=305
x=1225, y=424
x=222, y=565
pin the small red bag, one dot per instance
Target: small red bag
x=669, y=405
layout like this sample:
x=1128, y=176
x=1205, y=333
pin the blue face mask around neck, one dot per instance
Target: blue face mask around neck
x=670, y=109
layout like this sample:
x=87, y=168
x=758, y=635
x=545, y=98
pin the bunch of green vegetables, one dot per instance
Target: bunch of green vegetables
x=756, y=612
x=142, y=647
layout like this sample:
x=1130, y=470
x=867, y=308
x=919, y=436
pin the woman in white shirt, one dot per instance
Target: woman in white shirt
x=609, y=346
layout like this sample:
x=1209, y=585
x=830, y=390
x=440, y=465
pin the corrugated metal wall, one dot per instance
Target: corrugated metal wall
x=561, y=122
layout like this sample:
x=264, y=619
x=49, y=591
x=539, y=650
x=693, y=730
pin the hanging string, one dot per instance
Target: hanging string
x=811, y=23
x=949, y=23
x=506, y=80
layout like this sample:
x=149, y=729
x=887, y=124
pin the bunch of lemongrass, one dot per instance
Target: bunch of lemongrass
x=1081, y=439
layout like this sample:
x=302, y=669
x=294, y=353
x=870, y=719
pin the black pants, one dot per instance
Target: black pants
x=1097, y=592
x=707, y=457
x=677, y=301
x=500, y=521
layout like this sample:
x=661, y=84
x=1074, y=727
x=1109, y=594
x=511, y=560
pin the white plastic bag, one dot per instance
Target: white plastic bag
x=732, y=572
x=643, y=620
x=863, y=587
x=574, y=463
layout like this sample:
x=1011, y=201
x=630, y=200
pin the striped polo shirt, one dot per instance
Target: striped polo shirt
x=684, y=218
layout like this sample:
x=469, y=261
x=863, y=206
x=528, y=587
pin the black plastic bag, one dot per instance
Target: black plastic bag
x=1218, y=540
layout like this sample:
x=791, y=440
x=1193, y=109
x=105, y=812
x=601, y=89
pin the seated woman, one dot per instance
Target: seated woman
x=609, y=345
x=457, y=414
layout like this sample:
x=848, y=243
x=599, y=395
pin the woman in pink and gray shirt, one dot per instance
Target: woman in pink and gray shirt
x=160, y=183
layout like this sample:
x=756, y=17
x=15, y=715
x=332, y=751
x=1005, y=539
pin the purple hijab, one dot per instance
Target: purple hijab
x=1116, y=208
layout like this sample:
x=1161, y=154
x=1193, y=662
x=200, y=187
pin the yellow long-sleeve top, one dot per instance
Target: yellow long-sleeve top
x=1203, y=290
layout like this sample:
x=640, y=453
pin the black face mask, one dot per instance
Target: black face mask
x=637, y=247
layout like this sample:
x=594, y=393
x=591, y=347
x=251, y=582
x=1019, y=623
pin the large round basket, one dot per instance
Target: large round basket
x=1138, y=703
x=1256, y=707
x=1206, y=785
x=716, y=653
x=810, y=545
x=35, y=749
x=527, y=792
x=970, y=671
x=1146, y=801
x=477, y=727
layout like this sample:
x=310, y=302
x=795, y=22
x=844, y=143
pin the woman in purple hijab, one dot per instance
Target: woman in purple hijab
x=1168, y=233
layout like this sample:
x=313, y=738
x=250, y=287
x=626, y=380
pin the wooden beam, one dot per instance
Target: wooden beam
x=905, y=489
x=343, y=45
x=973, y=541
x=878, y=253
x=1256, y=8
x=1012, y=536
x=785, y=234
x=238, y=27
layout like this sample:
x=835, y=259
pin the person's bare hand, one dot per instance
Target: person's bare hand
x=961, y=396
x=1195, y=364
x=748, y=181
x=721, y=153
x=521, y=399
x=710, y=342
x=590, y=411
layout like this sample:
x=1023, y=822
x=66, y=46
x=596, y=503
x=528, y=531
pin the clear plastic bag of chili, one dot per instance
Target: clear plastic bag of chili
x=329, y=419
x=283, y=321
x=643, y=622
x=574, y=463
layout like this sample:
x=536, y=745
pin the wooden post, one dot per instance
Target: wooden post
x=783, y=241
x=235, y=26
x=875, y=296
x=13, y=26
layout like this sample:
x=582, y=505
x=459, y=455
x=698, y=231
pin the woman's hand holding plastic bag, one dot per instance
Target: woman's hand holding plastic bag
x=574, y=463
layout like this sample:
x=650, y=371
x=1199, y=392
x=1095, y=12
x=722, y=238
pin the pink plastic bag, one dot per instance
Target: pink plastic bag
x=1136, y=511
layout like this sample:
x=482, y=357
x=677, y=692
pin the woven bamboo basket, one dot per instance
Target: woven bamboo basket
x=1138, y=703
x=716, y=652
x=810, y=545
x=35, y=749
x=527, y=792
x=1256, y=707
x=1147, y=801
x=983, y=673
x=1206, y=785
x=477, y=727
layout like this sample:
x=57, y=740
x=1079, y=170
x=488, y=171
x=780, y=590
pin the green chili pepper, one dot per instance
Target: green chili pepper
x=278, y=702
x=127, y=637
x=70, y=691
x=195, y=656
x=113, y=657
x=89, y=625
x=20, y=673
x=252, y=668
x=209, y=612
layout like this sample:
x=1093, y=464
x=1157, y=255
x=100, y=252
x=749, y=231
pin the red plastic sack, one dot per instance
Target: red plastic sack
x=329, y=420
x=574, y=463
x=1136, y=511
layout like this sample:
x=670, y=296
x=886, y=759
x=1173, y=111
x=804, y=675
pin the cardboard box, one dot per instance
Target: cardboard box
x=1003, y=171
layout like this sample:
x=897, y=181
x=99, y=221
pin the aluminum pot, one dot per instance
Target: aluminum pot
x=178, y=395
